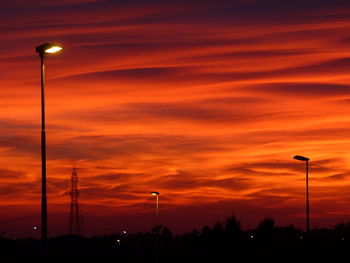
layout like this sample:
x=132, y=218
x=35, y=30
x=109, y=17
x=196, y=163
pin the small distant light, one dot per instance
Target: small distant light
x=251, y=237
x=125, y=232
x=343, y=238
x=35, y=227
x=154, y=193
x=53, y=49
x=118, y=242
x=301, y=237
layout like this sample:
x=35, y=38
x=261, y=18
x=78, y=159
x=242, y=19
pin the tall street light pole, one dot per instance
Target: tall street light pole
x=306, y=160
x=43, y=50
x=156, y=194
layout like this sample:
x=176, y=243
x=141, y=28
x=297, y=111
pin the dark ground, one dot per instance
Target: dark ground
x=223, y=242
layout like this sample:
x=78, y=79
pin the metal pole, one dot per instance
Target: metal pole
x=157, y=233
x=307, y=198
x=157, y=206
x=43, y=167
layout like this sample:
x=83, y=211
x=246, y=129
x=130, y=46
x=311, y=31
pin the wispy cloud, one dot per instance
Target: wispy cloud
x=205, y=102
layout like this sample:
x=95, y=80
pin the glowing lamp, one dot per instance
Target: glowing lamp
x=48, y=48
x=53, y=49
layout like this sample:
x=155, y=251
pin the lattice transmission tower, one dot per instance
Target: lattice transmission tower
x=74, y=218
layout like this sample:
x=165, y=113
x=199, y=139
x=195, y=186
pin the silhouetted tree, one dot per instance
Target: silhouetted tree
x=265, y=230
x=206, y=232
x=233, y=231
x=342, y=231
x=218, y=230
x=288, y=233
x=223, y=241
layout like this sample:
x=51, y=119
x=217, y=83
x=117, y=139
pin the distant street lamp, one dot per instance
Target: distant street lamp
x=157, y=208
x=306, y=160
x=44, y=50
x=157, y=224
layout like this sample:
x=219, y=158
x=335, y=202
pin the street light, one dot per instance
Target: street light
x=306, y=160
x=157, y=208
x=44, y=50
x=157, y=224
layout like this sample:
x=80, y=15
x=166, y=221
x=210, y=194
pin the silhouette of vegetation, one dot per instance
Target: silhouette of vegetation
x=222, y=242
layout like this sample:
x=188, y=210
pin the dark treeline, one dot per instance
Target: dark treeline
x=223, y=242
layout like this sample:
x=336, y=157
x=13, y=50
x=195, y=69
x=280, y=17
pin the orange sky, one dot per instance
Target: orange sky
x=205, y=102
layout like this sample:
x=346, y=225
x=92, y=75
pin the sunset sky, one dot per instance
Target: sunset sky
x=205, y=102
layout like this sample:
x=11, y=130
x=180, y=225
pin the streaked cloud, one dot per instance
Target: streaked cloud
x=204, y=102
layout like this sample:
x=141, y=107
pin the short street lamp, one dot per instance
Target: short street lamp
x=306, y=160
x=44, y=50
x=157, y=208
x=156, y=194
